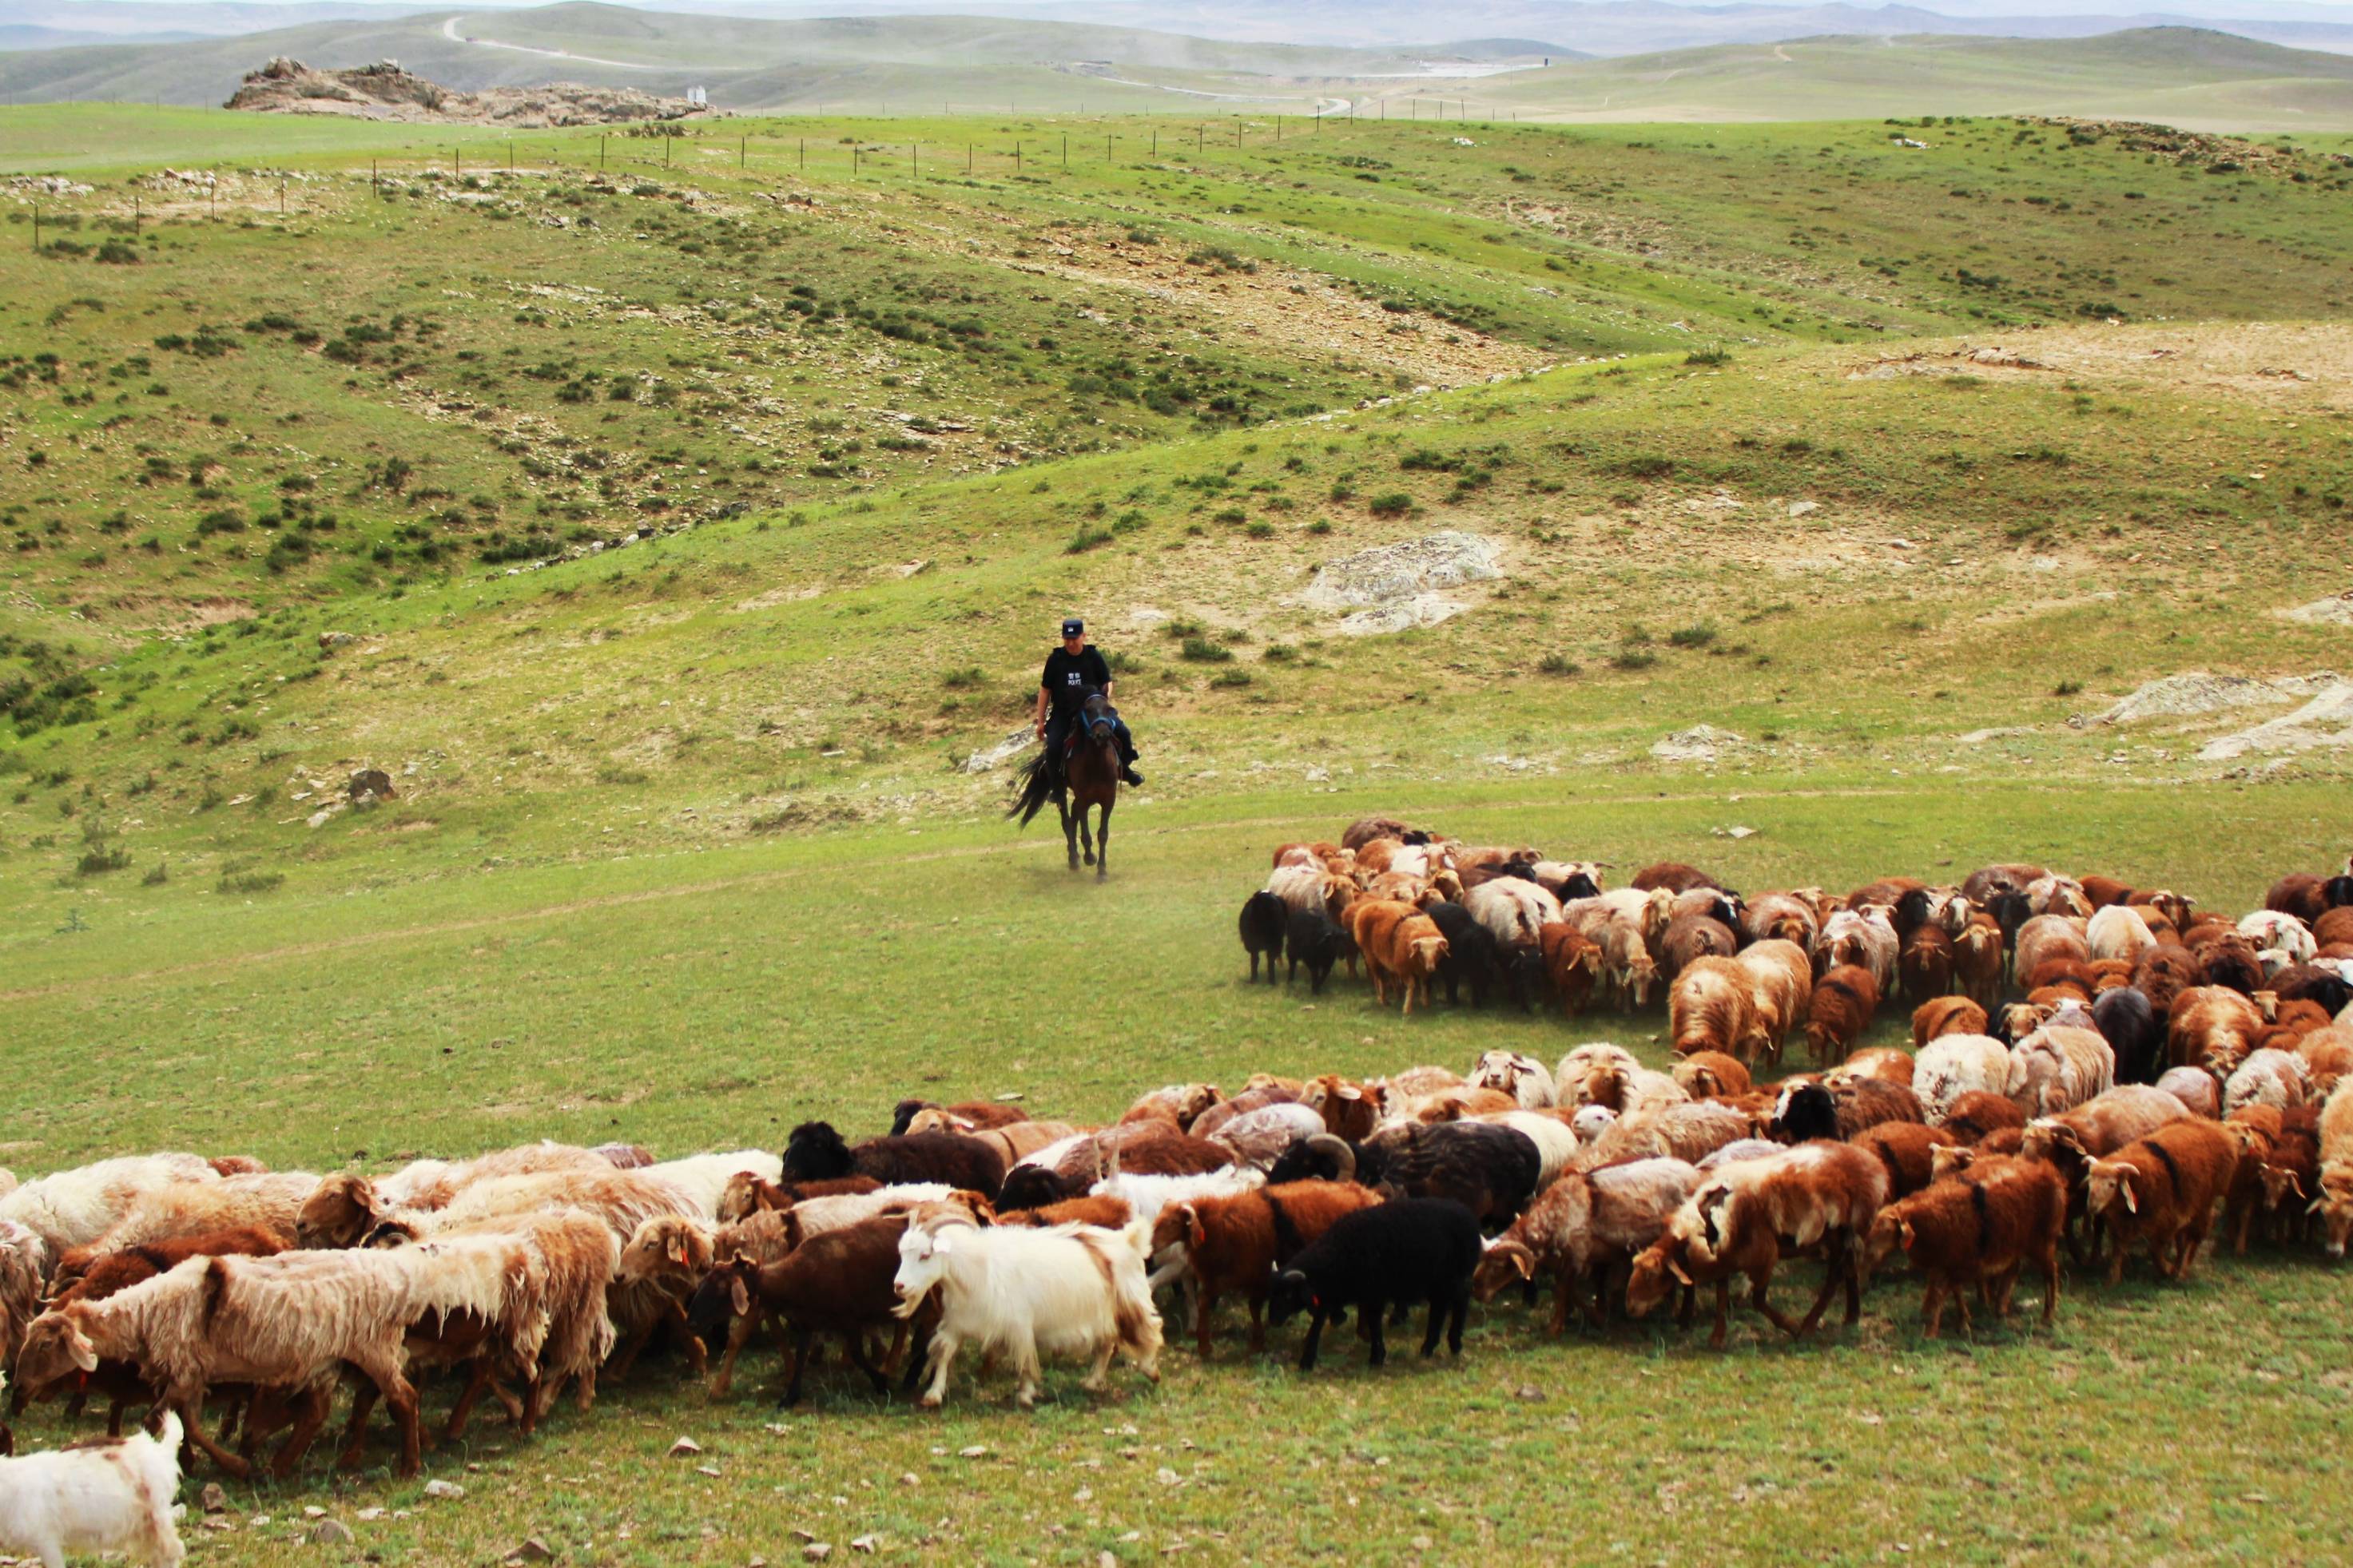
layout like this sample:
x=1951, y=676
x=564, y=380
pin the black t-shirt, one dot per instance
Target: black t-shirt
x=1069, y=680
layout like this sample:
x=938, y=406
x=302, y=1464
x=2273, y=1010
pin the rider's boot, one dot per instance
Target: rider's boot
x=1129, y=776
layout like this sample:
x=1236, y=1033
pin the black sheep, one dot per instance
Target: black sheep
x=1473, y=954
x=1576, y=885
x=1326, y=1158
x=1264, y=917
x=2125, y=1020
x=1032, y=1187
x=1317, y=940
x=1489, y=1170
x=2233, y=965
x=1397, y=1254
x=2337, y=892
x=1804, y=1112
x=904, y=1113
x=2010, y=910
x=816, y=1153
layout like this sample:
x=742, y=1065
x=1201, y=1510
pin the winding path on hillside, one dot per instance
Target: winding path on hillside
x=449, y=31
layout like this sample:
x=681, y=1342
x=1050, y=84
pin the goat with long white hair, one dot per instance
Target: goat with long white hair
x=1075, y=1290
x=109, y=1497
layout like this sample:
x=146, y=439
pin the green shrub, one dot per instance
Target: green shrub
x=1201, y=650
x=1395, y=503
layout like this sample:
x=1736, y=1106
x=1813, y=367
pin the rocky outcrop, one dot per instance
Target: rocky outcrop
x=385, y=91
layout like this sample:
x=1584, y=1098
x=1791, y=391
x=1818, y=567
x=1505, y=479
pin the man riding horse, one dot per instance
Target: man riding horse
x=1075, y=672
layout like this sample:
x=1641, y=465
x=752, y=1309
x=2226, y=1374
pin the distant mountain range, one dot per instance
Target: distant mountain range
x=1585, y=27
x=2199, y=79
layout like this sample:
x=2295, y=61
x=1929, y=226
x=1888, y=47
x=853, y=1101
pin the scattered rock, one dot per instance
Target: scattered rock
x=2195, y=693
x=865, y=1543
x=685, y=1448
x=371, y=783
x=2335, y=611
x=990, y=758
x=817, y=1551
x=214, y=1500
x=1394, y=587
x=1804, y=508
x=977, y=1450
x=1700, y=743
x=1736, y=833
x=2325, y=721
x=450, y=1491
x=335, y=639
x=329, y=1532
x=1980, y=737
x=532, y=1550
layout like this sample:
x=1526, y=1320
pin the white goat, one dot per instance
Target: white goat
x=111, y=1496
x=1522, y=1077
x=1074, y=1290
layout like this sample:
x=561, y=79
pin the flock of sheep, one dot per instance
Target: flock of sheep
x=2161, y=1064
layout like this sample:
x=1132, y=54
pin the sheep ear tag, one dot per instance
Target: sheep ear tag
x=677, y=1249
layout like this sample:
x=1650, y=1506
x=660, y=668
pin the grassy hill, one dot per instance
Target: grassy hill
x=671, y=517
x=2175, y=75
x=898, y=65
x=971, y=60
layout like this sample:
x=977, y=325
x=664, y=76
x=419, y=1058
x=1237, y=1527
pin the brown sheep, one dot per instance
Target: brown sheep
x=1105, y=1211
x=1673, y=876
x=1707, y=1075
x=1925, y=966
x=2300, y=894
x=1571, y=964
x=1238, y=1244
x=1975, y=1116
x=1906, y=1149
x=2046, y=938
x=1347, y=1111
x=1844, y=1003
x=1978, y=956
x=1981, y=1228
x=1402, y=949
x=1942, y=1016
x=1782, y=978
x=1864, y=1102
x=2212, y=1026
x=1741, y=1219
x=2327, y=1056
x=1627, y=965
x=1711, y=1007
x=1693, y=937
x=2161, y=1191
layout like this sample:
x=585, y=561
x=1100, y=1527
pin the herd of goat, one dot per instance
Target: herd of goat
x=2160, y=1065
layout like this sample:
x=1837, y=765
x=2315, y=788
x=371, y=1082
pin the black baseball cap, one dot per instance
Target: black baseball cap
x=1073, y=627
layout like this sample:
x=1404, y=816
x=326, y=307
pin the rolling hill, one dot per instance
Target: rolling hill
x=2176, y=75
x=963, y=64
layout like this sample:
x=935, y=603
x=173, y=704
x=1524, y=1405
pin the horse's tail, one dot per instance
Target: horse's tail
x=1032, y=786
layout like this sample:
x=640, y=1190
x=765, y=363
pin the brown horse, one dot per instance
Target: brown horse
x=1093, y=781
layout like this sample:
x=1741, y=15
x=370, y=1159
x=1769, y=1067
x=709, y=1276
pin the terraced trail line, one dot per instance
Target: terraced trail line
x=449, y=31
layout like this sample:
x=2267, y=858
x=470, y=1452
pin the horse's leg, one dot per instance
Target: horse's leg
x=1086, y=835
x=1103, y=853
x=1070, y=831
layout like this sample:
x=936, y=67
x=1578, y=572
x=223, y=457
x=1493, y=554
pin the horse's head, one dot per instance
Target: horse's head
x=1097, y=719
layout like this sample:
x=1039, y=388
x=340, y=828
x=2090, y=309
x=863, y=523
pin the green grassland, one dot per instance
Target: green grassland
x=2180, y=76
x=685, y=544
